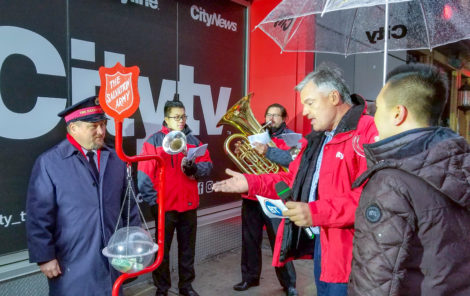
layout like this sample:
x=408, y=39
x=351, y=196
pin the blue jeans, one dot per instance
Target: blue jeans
x=324, y=288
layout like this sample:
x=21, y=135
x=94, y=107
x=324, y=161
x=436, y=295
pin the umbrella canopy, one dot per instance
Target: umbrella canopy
x=358, y=26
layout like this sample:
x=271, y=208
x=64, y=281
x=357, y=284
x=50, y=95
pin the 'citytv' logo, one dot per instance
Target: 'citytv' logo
x=147, y=3
x=273, y=208
x=200, y=14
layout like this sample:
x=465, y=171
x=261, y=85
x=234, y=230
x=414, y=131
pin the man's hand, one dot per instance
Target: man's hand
x=236, y=184
x=51, y=269
x=299, y=213
x=260, y=148
x=188, y=167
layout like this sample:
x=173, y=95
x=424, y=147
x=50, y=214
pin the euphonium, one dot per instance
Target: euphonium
x=247, y=160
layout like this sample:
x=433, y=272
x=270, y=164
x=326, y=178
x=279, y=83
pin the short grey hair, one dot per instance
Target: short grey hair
x=328, y=77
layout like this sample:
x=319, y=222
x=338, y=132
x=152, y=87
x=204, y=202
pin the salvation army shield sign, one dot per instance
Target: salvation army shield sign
x=119, y=96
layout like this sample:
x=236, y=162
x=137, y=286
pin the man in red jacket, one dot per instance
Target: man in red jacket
x=321, y=178
x=181, y=197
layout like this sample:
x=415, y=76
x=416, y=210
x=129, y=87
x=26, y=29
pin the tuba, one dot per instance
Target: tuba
x=248, y=160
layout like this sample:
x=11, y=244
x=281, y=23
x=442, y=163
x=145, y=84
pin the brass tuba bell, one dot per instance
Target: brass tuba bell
x=247, y=160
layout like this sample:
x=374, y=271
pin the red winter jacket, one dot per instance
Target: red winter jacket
x=333, y=211
x=181, y=191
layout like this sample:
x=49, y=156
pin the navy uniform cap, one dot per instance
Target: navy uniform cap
x=88, y=110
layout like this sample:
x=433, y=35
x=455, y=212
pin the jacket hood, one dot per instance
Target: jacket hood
x=437, y=155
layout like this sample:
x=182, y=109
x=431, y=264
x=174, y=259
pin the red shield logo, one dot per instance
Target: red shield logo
x=119, y=96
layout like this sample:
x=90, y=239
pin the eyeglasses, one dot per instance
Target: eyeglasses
x=178, y=118
x=272, y=115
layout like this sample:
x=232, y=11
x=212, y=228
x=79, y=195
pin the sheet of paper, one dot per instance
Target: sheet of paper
x=262, y=138
x=291, y=139
x=196, y=152
x=272, y=207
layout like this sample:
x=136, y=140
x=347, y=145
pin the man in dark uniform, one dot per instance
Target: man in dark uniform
x=73, y=203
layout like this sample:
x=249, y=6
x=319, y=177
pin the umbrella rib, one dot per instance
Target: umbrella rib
x=292, y=35
x=324, y=7
x=425, y=22
x=273, y=38
x=271, y=19
x=350, y=32
x=290, y=29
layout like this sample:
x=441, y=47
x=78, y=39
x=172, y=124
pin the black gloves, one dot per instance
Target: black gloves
x=188, y=167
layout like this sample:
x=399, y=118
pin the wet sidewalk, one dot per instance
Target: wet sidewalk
x=216, y=277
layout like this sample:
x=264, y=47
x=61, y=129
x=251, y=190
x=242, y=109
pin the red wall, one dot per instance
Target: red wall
x=272, y=75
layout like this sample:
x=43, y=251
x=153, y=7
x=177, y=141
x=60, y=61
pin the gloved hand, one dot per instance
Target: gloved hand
x=188, y=167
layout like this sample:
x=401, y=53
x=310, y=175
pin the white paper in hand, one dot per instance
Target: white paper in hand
x=291, y=139
x=262, y=138
x=272, y=207
x=196, y=152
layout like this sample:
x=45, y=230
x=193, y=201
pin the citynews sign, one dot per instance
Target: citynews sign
x=211, y=19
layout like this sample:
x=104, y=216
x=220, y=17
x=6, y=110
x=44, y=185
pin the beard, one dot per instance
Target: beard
x=272, y=129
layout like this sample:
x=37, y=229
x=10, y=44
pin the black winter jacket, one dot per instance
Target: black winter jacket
x=413, y=221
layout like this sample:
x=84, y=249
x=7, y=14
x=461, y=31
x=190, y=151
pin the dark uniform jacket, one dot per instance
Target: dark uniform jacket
x=413, y=221
x=71, y=215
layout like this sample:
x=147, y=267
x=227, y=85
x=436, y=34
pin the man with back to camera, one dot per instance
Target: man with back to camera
x=253, y=217
x=413, y=220
x=73, y=203
x=321, y=177
x=181, y=197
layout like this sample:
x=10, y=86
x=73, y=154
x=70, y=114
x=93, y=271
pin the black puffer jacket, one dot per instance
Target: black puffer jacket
x=413, y=221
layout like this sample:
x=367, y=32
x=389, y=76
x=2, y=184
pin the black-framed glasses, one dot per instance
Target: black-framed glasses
x=272, y=115
x=179, y=118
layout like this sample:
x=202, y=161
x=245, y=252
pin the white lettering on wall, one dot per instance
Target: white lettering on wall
x=211, y=19
x=85, y=81
x=153, y=117
x=7, y=220
x=147, y=3
x=43, y=117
